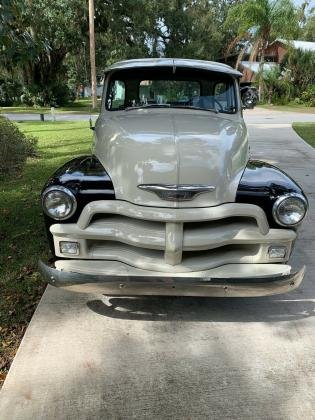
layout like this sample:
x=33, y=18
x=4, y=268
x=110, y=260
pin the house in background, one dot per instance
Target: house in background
x=274, y=55
x=278, y=49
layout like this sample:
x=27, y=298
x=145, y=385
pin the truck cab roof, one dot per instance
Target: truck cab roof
x=174, y=62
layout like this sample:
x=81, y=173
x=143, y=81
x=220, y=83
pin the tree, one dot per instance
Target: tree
x=36, y=37
x=192, y=29
x=44, y=44
x=302, y=65
x=92, y=53
x=308, y=31
x=260, y=22
x=123, y=30
x=277, y=84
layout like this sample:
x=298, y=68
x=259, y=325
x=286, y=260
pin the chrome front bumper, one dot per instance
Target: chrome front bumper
x=170, y=284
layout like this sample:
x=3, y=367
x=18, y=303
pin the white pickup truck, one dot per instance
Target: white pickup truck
x=170, y=203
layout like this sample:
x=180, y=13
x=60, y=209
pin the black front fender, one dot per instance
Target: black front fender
x=262, y=183
x=86, y=178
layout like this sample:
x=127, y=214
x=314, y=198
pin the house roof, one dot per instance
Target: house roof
x=299, y=45
x=174, y=62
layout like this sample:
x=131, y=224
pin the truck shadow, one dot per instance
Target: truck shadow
x=186, y=309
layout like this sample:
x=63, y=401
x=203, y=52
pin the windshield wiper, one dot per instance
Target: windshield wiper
x=130, y=108
x=196, y=107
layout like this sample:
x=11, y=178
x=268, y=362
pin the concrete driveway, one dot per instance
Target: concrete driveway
x=88, y=357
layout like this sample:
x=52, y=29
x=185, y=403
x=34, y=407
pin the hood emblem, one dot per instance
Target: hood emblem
x=177, y=192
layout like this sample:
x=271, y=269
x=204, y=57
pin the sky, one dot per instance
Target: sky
x=299, y=2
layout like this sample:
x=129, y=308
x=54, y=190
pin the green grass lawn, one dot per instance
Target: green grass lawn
x=82, y=106
x=306, y=131
x=22, y=235
x=290, y=108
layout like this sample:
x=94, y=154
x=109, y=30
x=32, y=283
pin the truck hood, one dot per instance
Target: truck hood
x=172, y=146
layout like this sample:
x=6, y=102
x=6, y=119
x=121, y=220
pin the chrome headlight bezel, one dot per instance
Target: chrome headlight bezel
x=280, y=200
x=64, y=190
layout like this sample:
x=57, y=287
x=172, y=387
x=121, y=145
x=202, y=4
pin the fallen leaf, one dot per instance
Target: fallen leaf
x=2, y=376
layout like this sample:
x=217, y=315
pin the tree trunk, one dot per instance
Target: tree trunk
x=92, y=53
x=260, y=72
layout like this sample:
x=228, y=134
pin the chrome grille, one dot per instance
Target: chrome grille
x=172, y=239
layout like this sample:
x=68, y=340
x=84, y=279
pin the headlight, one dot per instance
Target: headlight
x=58, y=202
x=290, y=209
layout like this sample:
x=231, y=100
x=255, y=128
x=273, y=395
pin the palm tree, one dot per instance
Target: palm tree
x=258, y=23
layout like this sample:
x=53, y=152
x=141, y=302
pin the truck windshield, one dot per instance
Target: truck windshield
x=193, y=89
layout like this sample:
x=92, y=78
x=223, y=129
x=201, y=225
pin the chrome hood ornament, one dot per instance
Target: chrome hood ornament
x=177, y=192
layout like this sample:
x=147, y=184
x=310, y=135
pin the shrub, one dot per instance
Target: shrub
x=276, y=85
x=308, y=96
x=15, y=147
x=61, y=95
x=10, y=92
x=57, y=95
x=27, y=98
x=301, y=63
x=280, y=99
x=298, y=101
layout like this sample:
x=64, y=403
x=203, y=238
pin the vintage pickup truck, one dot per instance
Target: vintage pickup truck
x=170, y=203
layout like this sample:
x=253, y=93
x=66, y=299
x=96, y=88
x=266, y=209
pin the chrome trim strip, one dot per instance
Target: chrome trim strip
x=177, y=192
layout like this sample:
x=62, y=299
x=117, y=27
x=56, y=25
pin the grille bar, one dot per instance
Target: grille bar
x=174, y=235
x=154, y=260
x=181, y=215
x=153, y=235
